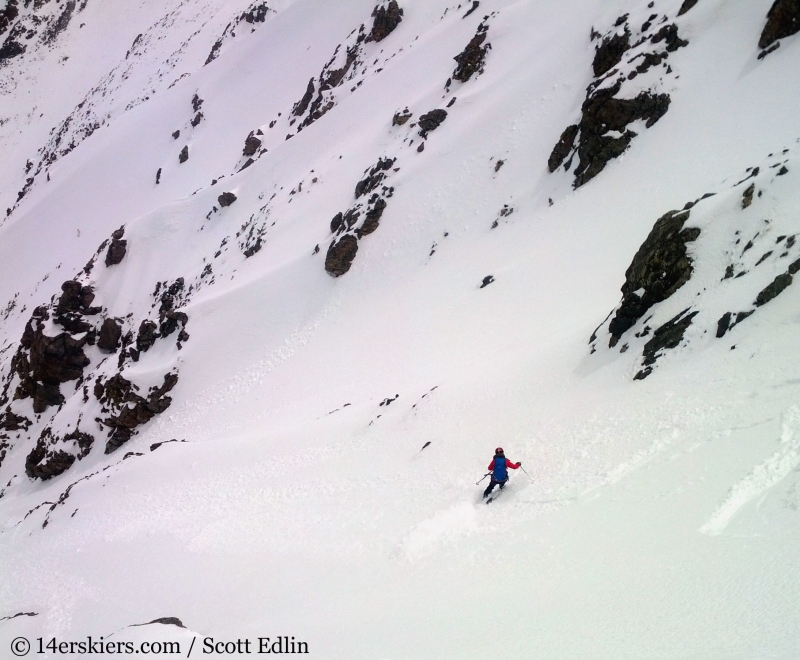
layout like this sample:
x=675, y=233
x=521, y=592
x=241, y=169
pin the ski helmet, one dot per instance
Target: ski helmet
x=499, y=450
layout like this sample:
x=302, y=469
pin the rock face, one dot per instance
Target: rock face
x=609, y=53
x=109, y=337
x=686, y=6
x=660, y=267
x=251, y=145
x=430, y=121
x=131, y=410
x=387, y=18
x=470, y=61
x=783, y=20
x=602, y=133
x=667, y=336
x=341, y=254
x=226, y=199
x=10, y=49
x=117, y=248
x=349, y=226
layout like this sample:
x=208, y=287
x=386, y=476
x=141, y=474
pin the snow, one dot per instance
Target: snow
x=659, y=519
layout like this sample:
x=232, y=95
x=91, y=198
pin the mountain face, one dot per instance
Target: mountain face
x=278, y=276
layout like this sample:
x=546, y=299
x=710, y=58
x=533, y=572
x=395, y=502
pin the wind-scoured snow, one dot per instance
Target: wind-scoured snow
x=278, y=451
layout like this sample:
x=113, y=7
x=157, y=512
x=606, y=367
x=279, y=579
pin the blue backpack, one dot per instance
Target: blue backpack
x=500, y=473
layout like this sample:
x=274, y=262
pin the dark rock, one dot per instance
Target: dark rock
x=10, y=49
x=171, y=620
x=132, y=409
x=724, y=324
x=158, y=176
x=251, y=145
x=60, y=24
x=667, y=336
x=197, y=119
x=8, y=15
x=783, y=20
x=747, y=197
x=74, y=298
x=256, y=14
x=686, y=6
x=602, y=113
x=226, y=199
x=487, y=281
x=475, y=5
x=783, y=171
x=669, y=35
x=116, y=251
x=110, y=335
x=176, y=135
x=471, y=59
x=337, y=222
x=148, y=333
x=196, y=103
x=401, y=118
x=83, y=440
x=375, y=177
x=11, y=422
x=57, y=359
x=183, y=156
x=660, y=267
x=565, y=145
x=775, y=288
x=43, y=464
x=46, y=395
x=387, y=18
x=430, y=121
x=372, y=219
x=609, y=52
x=302, y=105
x=341, y=254
x=172, y=320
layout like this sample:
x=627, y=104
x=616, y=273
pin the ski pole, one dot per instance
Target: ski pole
x=526, y=472
x=483, y=477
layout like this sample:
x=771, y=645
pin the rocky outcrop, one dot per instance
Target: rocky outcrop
x=603, y=114
x=686, y=6
x=349, y=227
x=251, y=145
x=117, y=248
x=668, y=336
x=660, y=267
x=8, y=15
x=45, y=461
x=471, y=60
x=109, y=337
x=386, y=19
x=430, y=121
x=603, y=132
x=783, y=20
x=129, y=409
x=226, y=199
x=610, y=51
x=341, y=254
x=10, y=49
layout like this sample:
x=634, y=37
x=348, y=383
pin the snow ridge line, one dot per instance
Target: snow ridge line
x=762, y=478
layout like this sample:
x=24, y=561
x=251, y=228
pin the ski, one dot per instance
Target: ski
x=493, y=497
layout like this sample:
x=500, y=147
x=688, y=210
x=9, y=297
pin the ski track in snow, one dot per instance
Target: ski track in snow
x=771, y=472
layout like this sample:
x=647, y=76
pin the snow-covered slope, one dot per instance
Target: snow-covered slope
x=278, y=277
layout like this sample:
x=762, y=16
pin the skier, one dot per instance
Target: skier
x=498, y=468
